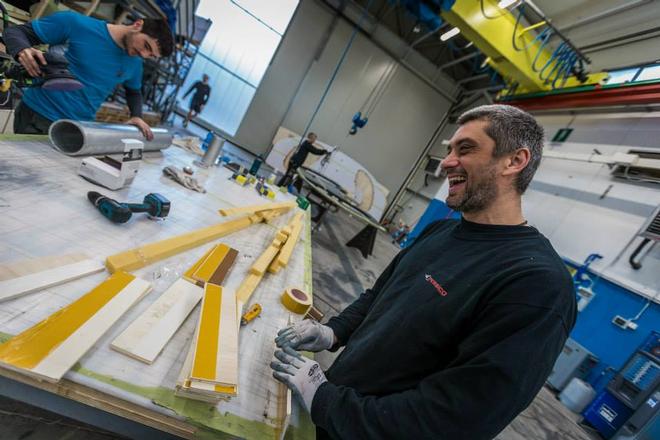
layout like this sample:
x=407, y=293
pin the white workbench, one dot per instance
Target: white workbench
x=44, y=211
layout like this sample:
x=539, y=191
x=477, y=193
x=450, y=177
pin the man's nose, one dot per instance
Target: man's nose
x=451, y=161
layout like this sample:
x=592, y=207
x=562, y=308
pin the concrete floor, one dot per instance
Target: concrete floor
x=340, y=275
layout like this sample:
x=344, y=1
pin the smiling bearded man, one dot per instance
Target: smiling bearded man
x=463, y=327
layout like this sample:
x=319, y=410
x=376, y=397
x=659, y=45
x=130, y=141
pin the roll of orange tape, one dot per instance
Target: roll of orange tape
x=296, y=300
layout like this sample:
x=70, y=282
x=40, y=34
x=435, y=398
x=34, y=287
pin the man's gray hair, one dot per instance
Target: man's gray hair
x=511, y=129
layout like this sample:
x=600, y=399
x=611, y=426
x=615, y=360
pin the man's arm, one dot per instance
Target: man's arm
x=54, y=29
x=315, y=150
x=193, y=87
x=19, y=41
x=134, y=101
x=498, y=369
x=207, y=96
x=20, y=37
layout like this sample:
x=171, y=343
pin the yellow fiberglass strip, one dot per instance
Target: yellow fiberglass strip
x=188, y=275
x=30, y=347
x=206, y=270
x=206, y=348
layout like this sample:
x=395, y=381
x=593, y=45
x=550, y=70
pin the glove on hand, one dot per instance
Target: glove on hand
x=307, y=335
x=303, y=376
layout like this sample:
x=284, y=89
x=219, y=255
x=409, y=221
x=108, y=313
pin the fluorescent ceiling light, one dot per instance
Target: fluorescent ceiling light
x=506, y=3
x=450, y=33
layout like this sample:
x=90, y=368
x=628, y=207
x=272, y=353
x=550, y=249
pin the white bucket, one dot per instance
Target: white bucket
x=577, y=395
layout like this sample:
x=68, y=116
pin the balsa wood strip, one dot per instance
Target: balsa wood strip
x=51, y=347
x=222, y=271
x=26, y=267
x=146, y=337
x=256, y=208
x=193, y=389
x=213, y=262
x=51, y=277
x=227, y=363
x=187, y=275
x=152, y=252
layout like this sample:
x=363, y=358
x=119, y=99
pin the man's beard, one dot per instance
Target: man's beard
x=477, y=195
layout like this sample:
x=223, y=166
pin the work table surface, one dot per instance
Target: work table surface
x=44, y=211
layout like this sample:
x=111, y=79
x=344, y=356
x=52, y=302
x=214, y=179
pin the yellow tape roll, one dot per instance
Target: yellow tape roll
x=296, y=300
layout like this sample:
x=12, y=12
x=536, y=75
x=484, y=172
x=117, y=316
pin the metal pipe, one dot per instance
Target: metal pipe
x=606, y=13
x=473, y=78
x=460, y=60
x=79, y=138
x=557, y=31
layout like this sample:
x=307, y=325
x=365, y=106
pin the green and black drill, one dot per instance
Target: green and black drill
x=155, y=205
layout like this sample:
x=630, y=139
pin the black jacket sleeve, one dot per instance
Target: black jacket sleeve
x=20, y=37
x=314, y=150
x=134, y=101
x=207, y=96
x=193, y=87
x=500, y=365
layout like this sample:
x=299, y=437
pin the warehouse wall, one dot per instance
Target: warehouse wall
x=398, y=129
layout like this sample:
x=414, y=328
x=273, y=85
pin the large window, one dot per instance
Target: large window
x=235, y=54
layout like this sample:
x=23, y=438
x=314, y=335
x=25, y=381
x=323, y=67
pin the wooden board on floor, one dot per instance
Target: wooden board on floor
x=146, y=337
x=50, y=348
x=33, y=282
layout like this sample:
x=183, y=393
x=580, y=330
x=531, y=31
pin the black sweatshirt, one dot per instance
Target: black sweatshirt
x=456, y=337
x=305, y=148
x=202, y=92
x=23, y=36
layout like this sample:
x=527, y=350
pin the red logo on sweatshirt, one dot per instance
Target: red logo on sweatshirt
x=435, y=284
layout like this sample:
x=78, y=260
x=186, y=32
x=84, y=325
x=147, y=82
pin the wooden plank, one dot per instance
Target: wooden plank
x=216, y=348
x=213, y=261
x=245, y=291
x=187, y=275
x=283, y=411
x=261, y=263
x=51, y=347
x=256, y=208
x=51, y=277
x=222, y=271
x=152, y=252
x=146, y=337
x=193, y=389
x=26, y=267
x=285, y=254
x=227, y=369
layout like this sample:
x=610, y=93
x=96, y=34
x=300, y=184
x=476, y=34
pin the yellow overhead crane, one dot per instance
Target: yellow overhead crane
x=521, y=56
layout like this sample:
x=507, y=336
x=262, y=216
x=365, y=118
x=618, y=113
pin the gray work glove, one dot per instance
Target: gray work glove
x=303, y=376
x=306, y=335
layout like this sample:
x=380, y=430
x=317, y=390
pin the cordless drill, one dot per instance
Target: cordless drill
x=153, y=204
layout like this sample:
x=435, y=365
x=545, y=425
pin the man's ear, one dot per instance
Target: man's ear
x=517, y=161
x=137, y=25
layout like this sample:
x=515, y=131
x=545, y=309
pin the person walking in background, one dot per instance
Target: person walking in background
x=199, y=99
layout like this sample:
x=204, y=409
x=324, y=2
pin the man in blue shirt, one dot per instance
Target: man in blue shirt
x=100, y=55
